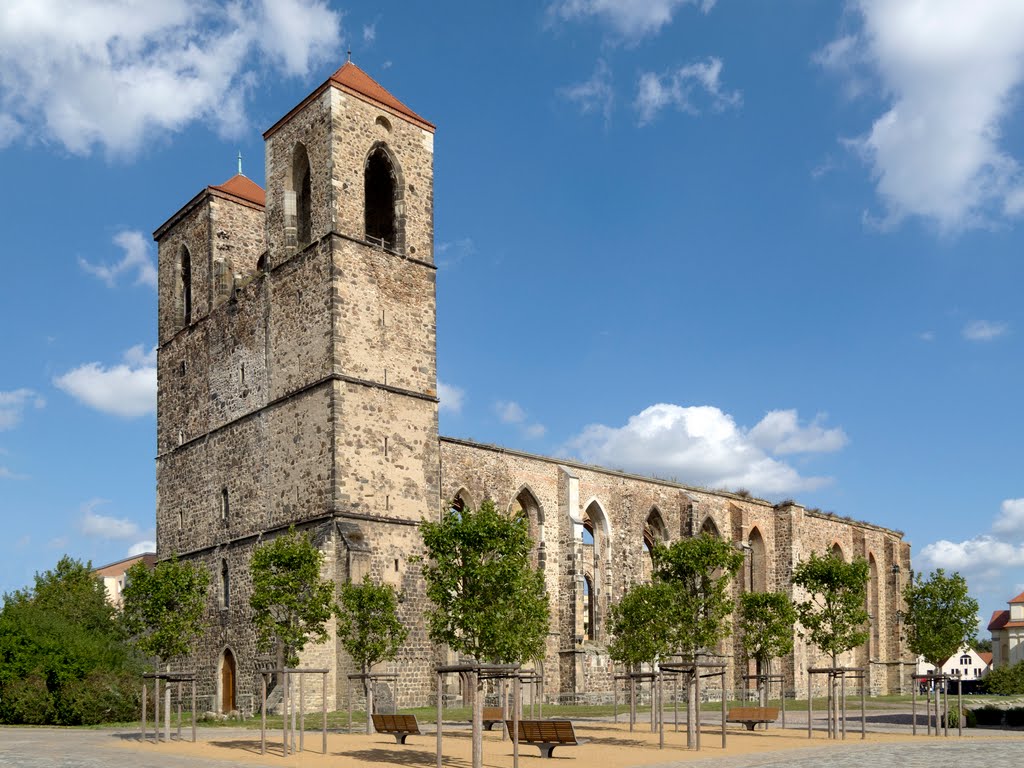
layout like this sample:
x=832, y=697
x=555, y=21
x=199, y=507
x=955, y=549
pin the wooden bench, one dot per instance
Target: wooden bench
x=399, y=726
x=546, y=734
x=491, y=716
x=751, y=716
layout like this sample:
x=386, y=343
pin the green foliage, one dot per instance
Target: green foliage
x=488, y=602
x=102, y=697
x=368, y=623
x=640, y=624
x=1005, y=681
x=53, y=636
x=163, y=607
x=970, y=719
x=983, y=645
x=698, y=570
x=1015, y=717
x=291, y=603
x=941, y=617
x=766, y=624
x=834, y=616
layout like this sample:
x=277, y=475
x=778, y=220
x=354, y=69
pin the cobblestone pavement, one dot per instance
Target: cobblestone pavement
x=75, y=748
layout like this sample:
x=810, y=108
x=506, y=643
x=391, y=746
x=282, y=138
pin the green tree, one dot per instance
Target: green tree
x=61, y=644
x=766, y=625
x=163, y=607
x=369, y=628
x=1005, y=681
x=640, y=625
x=699, y=571
x=291, y=603
x=941, y=617
x=833, y=616
x=488, y=603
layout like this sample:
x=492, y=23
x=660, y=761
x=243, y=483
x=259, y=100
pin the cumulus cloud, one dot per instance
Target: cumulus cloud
x=451, y=252
x=511, y=412
x=127, y=389
x=984, y=330
x=987, y=555
x=8, y=474
x=595, y=94
x=948, y=71
x=14, y=403
x=103, y=526
x=141, y=547
x=116, y=73
x=369, y=33
x=632, y=19
x=682, y=88
x=451, y=397
x=136, y=260
x=780, y=432
x=705, y=446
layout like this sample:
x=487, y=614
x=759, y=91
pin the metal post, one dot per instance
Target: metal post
x=842, y=704
x=156, y=710
x=959, y=707
x=654, y=696
x=515, y=723
x=696, y=670
x=913, y=706
x=179, y=710
x=293, y=715
x=723, y=709
x=440, y=712
x=675, y=700
x=615, y=701
x=632, y=702
x=502, y=691
x=323, y=705
x=945, y=707
x=863, y=713
x=661, y=709
x=782, y=699
x=810, y=701
x=263, y=714
x=350, y=705
x=302, y=713
x=144, y=696
x=284, y=720
x=193, y=710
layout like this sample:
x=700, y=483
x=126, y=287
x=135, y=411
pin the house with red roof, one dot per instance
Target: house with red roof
x=1007, y=628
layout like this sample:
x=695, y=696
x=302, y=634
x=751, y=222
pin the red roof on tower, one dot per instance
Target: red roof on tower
x=243, y=187
x=354, y=81
x=1018, y=599
x=999, y=620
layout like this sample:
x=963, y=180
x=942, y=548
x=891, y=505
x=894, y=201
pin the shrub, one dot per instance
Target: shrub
x=1005, y=681
x=988, y=715
x=101, y=697
x=970, y=719
x=1015, y=717
x=27, y=701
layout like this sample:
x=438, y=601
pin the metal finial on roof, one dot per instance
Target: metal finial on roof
x=240, y=163
x=350, y=55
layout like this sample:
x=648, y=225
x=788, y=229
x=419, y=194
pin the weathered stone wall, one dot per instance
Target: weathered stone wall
x=192, y=231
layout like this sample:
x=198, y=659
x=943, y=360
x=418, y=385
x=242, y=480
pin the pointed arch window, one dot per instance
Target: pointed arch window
x=382, y=188
x=298, y=205
x=225, y=584
x=185, y=273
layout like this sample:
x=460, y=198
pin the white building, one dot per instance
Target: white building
x=967, y=664
x=112, y=575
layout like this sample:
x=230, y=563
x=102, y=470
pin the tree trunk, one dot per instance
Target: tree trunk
x=167, y=707
x=368, y=693
x=693, y=706
x=478, y=715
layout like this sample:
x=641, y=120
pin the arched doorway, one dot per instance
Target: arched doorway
x=228, y=673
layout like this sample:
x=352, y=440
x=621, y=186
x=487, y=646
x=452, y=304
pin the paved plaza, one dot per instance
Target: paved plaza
x=80, y=748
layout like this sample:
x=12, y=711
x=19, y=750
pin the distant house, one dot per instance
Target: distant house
x=967, y=664
x=1007, y=628
x=113, y=575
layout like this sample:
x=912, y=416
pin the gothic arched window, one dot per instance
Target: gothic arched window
x=185, y=272
x=382, y=189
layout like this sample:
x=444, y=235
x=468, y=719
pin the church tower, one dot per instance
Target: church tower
x=297, y=368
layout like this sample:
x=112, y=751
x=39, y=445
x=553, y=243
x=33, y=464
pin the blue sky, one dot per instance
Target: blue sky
x=764, y=245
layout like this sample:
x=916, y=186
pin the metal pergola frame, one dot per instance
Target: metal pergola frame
x=832, y=674
x=476, y=672
x=286, y=673
x=156, y=677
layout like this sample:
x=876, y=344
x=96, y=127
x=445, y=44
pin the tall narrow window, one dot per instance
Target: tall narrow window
x=225, y=508
x=225, y=583
x=380, y=188
x=186, y=285
x=298, y=205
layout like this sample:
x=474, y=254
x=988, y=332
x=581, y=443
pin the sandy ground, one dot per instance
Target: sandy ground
x=611, y=746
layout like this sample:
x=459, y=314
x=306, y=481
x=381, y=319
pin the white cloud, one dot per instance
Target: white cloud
x=369, y=33
x=127, y=390
x=7, y=474
x=451, y=252
x=926, y=336
x=701, y=445
x=103, y=526
x=984, y=330
x=14, y=403
x=141, y=547
x=676, y=88
x=510, y=412
x=779, y=432
x=451, y=397
x=1010, y=521
x=948, y=71
x=137, y=260
x=595, y=94
x=535, y=431
x=117, y=73
x=632, y=19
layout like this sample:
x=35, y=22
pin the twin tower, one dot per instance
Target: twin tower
x=297, y=362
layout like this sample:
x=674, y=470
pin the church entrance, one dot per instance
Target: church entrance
x=227, y=683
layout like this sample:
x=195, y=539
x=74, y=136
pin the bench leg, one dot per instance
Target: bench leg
x=750, y=725
x=546, y=749
x=400, y=738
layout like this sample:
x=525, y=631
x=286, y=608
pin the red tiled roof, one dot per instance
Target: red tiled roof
x=1013, y=625
x=985, y=656
x=352, y=78
x=1018, y=599
x=243, y=187
x=999, y=620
